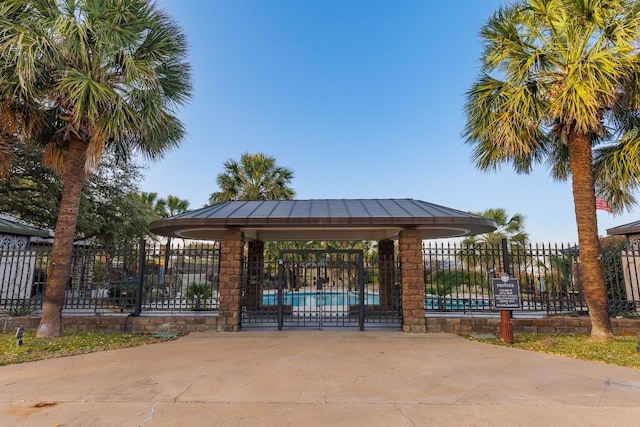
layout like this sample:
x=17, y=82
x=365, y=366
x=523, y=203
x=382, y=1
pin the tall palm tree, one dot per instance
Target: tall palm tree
x=81, y=77
x=509, y=228
x=7, y=152
x=559, y=77
x=156, y=206
x=173, y=205
x=487, y=247
x=255, y=177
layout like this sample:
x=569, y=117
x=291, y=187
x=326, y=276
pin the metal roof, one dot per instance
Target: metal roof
x=625, y=229
x=12, y=227
x=323, y=219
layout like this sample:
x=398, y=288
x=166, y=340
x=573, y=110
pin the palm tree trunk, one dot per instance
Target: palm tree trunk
x=595, y=292
x=61, y=252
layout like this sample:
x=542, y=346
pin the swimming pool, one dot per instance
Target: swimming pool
x=314, y=299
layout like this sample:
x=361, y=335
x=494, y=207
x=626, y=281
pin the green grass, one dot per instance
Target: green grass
x=621, y=351
x=76, y=342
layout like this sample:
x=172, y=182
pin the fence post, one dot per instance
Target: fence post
x=280, y=286
x=505, y=256
x=138, y=307
x=506, y=325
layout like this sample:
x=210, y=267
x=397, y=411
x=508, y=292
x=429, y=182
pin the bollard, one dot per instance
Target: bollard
x=19, y=333
x=506, y=327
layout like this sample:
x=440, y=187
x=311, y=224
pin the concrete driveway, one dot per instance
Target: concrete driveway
x=318, y=379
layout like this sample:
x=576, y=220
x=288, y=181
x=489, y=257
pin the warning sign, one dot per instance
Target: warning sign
x=506, y=294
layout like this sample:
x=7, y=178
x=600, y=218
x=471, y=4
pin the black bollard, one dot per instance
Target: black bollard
x=19, y=333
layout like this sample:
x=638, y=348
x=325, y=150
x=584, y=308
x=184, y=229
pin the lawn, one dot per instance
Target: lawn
x=621, y=351
x=72, y=342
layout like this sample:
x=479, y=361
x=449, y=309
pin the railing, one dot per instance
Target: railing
x=107, y=279
x=458, y=278
x=185, y=278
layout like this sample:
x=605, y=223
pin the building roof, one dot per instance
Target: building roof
x=323, y=219
x=8, y=226
x=625, y=229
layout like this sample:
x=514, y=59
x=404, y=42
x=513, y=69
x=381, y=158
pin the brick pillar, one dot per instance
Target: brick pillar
x=386, y=271
x=255, y=273
x=230, y=280
x=412, y=268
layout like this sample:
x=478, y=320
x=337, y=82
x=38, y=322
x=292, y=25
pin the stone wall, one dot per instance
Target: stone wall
x=142, y=324
x=546, y=325
x=195, y=323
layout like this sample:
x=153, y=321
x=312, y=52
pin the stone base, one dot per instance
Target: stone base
x=199, y=323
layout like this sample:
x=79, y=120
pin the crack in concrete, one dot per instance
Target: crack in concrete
x=177, y=396
x=405, y=416
x=327, y=388
x=150, y=417
x=607, y=383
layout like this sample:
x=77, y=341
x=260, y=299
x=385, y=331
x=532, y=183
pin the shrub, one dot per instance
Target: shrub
x=442, y=282
x=199, y=294
x=124, y=293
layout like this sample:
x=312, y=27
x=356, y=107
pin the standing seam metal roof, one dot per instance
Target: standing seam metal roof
x=323, y=219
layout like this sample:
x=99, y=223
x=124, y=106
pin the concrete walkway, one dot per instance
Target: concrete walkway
x=318, y=379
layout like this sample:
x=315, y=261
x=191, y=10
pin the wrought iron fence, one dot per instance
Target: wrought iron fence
x=108, y=279
x=184, y=278
x=458, y=278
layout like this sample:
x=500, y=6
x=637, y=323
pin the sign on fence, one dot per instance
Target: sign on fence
x=506, y=293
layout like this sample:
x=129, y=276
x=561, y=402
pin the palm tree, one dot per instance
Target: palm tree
x=487, y=247
x=156, y=206
x=509, y=228
x=255, y=177
x=7, y=153
x=174, y=205
x=81, y=77
x=559, y=77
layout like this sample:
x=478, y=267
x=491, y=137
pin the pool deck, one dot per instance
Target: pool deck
x=318, y=378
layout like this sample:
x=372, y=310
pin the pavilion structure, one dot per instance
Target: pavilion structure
x=238, y=223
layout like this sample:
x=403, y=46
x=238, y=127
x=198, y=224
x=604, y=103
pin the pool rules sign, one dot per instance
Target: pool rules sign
x=506, y=293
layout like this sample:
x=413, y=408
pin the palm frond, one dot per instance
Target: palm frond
x=551, y=70
x=116, y=71
x=617, y=171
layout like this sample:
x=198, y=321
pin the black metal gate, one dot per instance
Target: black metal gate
x=319, y=289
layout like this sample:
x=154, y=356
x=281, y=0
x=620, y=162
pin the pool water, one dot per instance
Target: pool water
x=313, y=299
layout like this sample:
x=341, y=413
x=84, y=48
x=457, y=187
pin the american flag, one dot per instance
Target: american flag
x=603, y=205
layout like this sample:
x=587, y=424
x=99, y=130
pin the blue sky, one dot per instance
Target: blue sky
x=360, y=98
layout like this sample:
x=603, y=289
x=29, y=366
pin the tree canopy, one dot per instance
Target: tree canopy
x=559, y=79
x=108, y=211
x=254, y=177
x=511, y=228
x=80, y=78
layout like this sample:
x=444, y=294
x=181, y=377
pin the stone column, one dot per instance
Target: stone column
x=230, y=281
x=255, y=274
x=386, y=271
x=412, y=270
